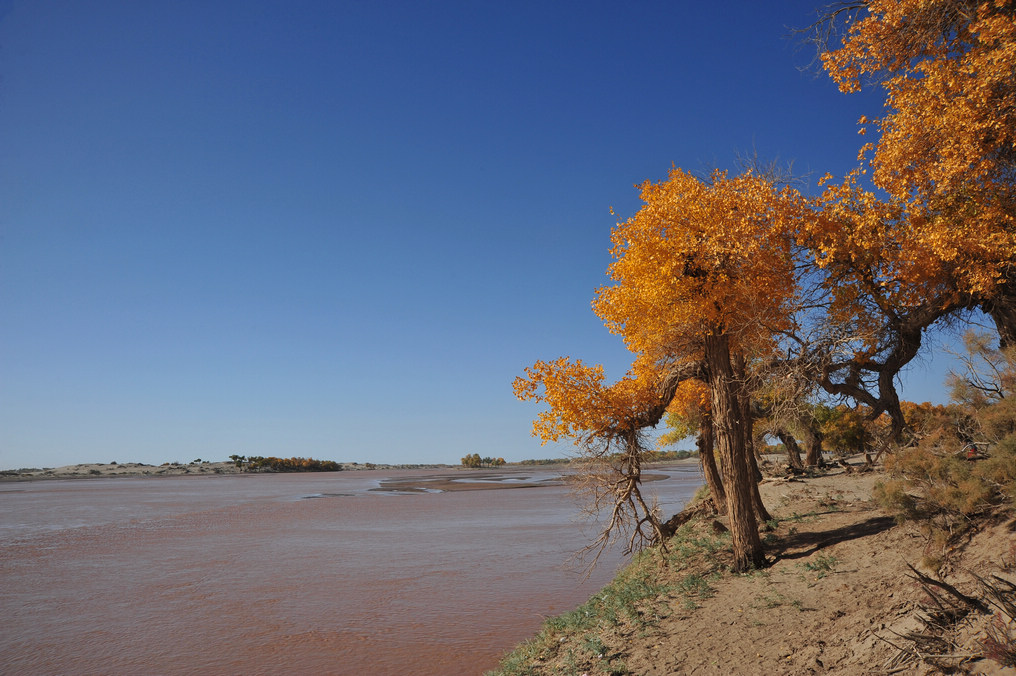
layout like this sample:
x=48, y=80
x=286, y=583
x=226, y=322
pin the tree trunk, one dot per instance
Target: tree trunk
x=793, y=450
x=761, y=512
x=740, y=371
x=1002, y=310
x=705, y=450
x=813, y=457
x=730, y=442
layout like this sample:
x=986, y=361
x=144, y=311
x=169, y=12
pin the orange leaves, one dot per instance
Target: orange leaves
x=947, y=71
x=690, y=400
x=945, y=156
x=724, y=255
x=579, y=404
x=948, y=136
x=698, y=256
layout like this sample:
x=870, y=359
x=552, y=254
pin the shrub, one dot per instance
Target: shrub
x=999, y=643
x=272, y=464
x=962, y=463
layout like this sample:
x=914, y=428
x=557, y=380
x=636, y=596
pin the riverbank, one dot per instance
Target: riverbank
x=840, y=598
x=513, y=475
x=137, y=469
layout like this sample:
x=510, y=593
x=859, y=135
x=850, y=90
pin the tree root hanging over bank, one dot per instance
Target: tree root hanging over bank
x=702, y=509
x=611, y=477
x=610, y=473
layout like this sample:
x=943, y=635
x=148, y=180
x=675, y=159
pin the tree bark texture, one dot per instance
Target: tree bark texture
x=793, y=450
x=740, y=371
x=1002, y=309
x=729, y=430
x=705, y=450
x=813, y=456
x=756, y=478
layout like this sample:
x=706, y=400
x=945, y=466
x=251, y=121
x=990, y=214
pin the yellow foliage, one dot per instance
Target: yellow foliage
x=685, y=412
x=580, y=404
x=699, y=257
x=948, y=136
x=690, y=400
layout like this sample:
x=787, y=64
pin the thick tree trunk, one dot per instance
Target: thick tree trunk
x=793, y=450
x=705, y=449
x=740, y=371
x=729, y=427
x=1002, y=310
x=813, y=457
x=761, y=512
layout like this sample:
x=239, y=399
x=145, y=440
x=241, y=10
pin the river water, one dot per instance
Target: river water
x=288, y=573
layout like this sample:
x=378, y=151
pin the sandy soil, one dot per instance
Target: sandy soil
x=838, y=599
x=127, y=469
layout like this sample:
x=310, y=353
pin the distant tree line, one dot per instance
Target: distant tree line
x=474, y=460
x=658, y=456
x=257, y=463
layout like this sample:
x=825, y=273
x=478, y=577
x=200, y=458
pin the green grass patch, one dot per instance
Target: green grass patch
x=822, y=565
x=635, y=597
x=638, y=597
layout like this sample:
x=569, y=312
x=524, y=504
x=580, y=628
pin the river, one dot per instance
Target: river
x=289, y=573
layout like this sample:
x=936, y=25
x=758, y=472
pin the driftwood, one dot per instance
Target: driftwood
x=699, y=509
x=999, y=592
x=928, y=581
x=934, y=645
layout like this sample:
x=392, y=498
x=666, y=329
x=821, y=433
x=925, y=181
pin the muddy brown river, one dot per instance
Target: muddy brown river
x=290, y=574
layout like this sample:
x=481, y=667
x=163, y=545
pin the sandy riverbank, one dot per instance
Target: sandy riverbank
x=450, y=478
x=477, y=480
x=135, y=469
x=839, y=598
x=127, y=469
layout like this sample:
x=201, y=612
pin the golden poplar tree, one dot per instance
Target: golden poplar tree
x=945, y=151
x=710, y=275
x=704, y=279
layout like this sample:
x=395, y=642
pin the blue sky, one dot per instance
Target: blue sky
x=340, y=229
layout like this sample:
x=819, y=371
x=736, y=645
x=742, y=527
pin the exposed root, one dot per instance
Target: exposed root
x=943, y=612
x=700, y=509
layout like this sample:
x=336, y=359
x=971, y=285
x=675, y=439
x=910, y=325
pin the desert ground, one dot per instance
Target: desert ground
x=839, y=597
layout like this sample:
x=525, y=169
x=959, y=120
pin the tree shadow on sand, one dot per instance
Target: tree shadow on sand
x=810, y=542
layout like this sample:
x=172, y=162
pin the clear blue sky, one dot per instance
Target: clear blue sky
x=340, y=229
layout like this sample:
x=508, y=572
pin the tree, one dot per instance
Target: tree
x=725, y=279
x=785, y=408
x=688, y=414
x=605, y=423
x=705, y=278
x=845, y=429
x=790, y=445
x=871, y=312
x=946, y=155
x=961, y=464
x=985, y=391
x=936, y=237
